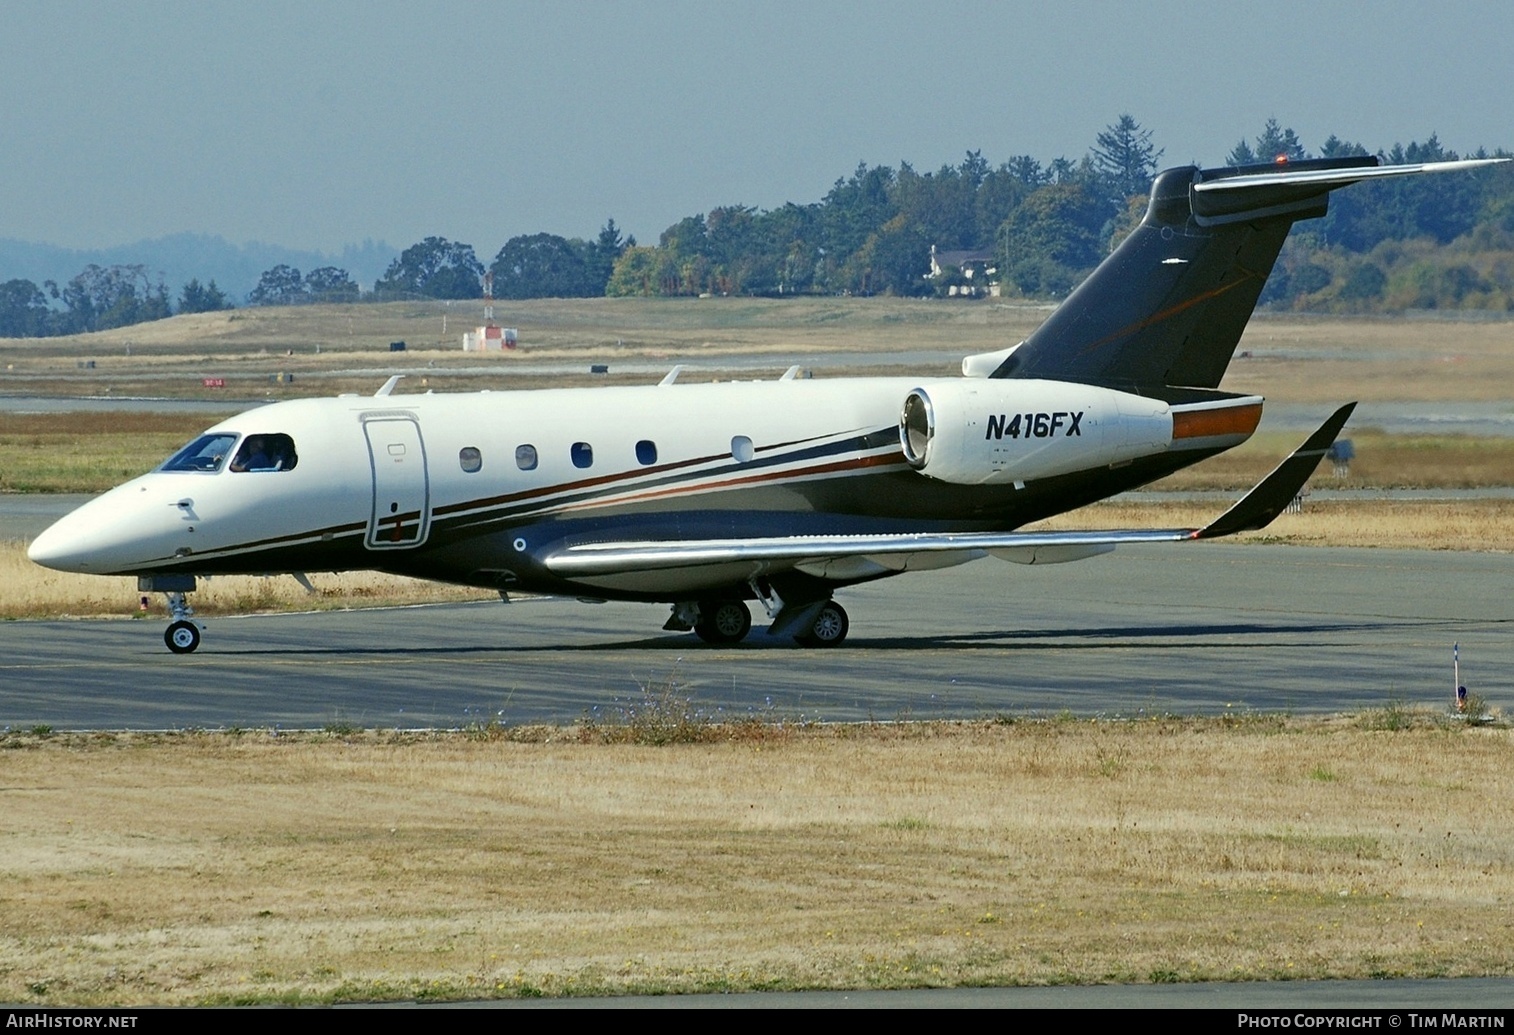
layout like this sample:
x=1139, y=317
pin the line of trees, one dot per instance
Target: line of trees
x=97, y=299
x=1382, y=246
x=1417, y=242
x=530, y=266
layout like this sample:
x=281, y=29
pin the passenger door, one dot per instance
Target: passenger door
x=401, y=514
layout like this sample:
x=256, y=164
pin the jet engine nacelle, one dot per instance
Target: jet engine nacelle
x=982, y=432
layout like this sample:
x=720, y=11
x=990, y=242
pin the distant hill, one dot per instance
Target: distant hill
x=185, y=256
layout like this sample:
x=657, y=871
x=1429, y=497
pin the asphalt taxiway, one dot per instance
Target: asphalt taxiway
x=1191, y=629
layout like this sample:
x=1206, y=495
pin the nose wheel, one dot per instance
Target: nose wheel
x=182, y=637
x=183, y=634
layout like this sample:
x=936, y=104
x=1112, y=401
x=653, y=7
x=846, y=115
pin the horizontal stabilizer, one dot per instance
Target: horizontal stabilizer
x=766, y=556
x=1273, y=493
x=1336, y=177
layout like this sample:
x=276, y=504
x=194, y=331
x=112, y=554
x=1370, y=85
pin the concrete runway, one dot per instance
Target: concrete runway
x=1201, y=628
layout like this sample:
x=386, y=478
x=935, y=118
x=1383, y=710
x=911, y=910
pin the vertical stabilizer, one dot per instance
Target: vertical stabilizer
x=1169, y=305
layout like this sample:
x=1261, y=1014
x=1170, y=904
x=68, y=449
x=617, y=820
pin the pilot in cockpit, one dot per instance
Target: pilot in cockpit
x=265, y=453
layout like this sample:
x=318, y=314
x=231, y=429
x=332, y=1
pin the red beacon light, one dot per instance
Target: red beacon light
x=1280, y=160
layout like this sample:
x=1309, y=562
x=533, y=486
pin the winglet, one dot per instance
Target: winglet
x=1272, y=494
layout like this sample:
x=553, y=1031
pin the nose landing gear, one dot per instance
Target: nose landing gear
x=183, y=634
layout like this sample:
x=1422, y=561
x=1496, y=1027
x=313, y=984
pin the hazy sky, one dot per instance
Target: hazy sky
x=315, y=124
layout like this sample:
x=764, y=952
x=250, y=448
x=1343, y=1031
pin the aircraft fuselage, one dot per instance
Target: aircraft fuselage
x=479, y=488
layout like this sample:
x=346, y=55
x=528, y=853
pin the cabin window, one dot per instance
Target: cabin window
x=741, y=449
x=470, y=459
x=582, y=454
x=205, y=454
x=525, y=457
x=265, y=453
x=646, y=452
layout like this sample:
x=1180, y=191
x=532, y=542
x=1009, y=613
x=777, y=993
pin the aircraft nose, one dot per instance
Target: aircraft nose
x=108, y=535
x=61, y=548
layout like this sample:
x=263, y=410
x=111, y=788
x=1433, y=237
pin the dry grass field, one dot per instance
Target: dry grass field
x=1296, y=359
x=88, y=451
x=1382, y=461
x=252, y=867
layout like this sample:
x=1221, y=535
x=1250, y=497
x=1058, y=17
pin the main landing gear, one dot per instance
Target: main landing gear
x=183, y=634
x=820, y=624
x=830, y=627
x=723, y=621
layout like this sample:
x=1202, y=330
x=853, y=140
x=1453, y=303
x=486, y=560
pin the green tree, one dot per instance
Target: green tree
x=996, y=197
x=24, y=311
x=1027, y=171
x=1310, y=277
x=1052, y=237
x=602, y=255
x=790, y=236
x=543, y=266
x=854, y=209
x=435, y=267
x=102, y=297
x=281, y=285
x=202, y=298
x=1335, y=147
x=1364, y=282
x=1275, y=142
x=893, y=261
x=686, y=247
x=940, y=207
x=642, y=271
x=330, y=284
x=1126, y=159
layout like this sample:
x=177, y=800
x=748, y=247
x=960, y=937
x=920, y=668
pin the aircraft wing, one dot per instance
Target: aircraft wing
x=1253, y=511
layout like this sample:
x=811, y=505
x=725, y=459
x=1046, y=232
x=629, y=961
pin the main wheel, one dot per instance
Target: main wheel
x=182, y=637
x=829, y=629
x=723, y=621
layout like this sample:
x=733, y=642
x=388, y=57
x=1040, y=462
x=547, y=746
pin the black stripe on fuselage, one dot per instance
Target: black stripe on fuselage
x=693, y=475
x=872, y=494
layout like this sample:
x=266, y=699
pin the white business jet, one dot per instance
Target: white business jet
x=708, y=496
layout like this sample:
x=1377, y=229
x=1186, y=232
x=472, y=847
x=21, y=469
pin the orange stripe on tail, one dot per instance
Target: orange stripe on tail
x=1210, y=423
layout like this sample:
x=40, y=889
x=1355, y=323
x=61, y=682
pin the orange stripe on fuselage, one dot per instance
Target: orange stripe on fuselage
x=1231, y=420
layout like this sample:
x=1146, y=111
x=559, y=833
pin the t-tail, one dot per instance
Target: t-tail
x=1167, y=307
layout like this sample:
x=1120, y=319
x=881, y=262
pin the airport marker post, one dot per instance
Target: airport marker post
x=1459, y=690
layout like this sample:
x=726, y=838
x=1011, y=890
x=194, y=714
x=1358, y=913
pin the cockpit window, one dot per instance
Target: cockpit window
x=206, y=453
x=266, y=453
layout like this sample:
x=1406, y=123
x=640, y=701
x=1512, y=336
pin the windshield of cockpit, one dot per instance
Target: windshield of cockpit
x=208, y=454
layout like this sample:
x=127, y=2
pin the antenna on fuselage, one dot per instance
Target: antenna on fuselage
x=388, y=386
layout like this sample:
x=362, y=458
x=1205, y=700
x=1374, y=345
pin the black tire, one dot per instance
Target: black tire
x=182, y=637
x=830, y=628
x=723, y=621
